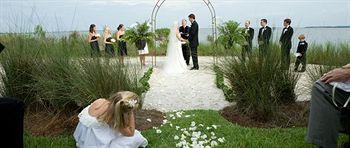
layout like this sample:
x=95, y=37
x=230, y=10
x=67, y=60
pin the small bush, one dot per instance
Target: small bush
x=259, y=84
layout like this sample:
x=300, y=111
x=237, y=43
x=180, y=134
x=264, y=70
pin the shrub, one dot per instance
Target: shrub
x=49, y=71
x=259, y=85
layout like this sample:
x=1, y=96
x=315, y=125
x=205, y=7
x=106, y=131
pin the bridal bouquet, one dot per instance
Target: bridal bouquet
x=98, y=35
x=298, y=54
x=184, y=41
x=113, y=40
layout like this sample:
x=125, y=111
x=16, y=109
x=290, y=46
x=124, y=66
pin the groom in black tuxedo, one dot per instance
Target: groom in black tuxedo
x=286, y=42
x=193, y=39
x=184, y=31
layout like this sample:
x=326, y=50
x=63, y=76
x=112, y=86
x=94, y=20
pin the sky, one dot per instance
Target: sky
x=68, y=15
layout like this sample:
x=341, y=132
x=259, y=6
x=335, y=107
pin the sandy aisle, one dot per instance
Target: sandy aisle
x=188, y=91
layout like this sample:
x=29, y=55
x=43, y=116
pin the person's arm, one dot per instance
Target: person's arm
x=89, y=38
x=105, y=39
x=337, y=75
x=251, y=34
x=290, y=34
x=268, y=34
x=281, y=37
x=191, y=33
x=117, y=36
x=196, y=29
x=259, y=36
x=129, y=130
x=301, y=48
x=178, y=35
x=98, y=107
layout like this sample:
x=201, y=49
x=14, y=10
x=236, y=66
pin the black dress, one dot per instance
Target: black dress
x=122, y=47
x=109, y=48
x=95, y=47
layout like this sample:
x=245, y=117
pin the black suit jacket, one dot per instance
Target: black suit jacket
x=184, y=32
x=302, y=47
x=250, y=35
x=264, y=36
x=193, y=38
x=286, y=38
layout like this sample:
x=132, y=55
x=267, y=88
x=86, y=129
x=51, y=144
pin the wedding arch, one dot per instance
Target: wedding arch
x=159, y=3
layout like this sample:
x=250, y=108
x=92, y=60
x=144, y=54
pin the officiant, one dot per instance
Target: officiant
x=184, y=31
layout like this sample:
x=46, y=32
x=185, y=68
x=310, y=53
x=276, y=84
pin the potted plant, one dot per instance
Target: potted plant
x=139, y=35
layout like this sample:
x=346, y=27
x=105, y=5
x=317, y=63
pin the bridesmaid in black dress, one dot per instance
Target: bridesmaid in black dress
x=93, y=40
x=121, y=43
x=108, y=40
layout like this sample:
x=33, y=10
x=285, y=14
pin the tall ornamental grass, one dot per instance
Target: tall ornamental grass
x=326, y=57
x=259, y=84
x=57, y=72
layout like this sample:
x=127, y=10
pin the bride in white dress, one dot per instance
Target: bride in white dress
x=175, y=62
x=109, y=123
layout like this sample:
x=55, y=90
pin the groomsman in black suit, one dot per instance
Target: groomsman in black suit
x=286, y=42
x=249, y=35
x=193, y=39
x=264, y=37
x=184, y=31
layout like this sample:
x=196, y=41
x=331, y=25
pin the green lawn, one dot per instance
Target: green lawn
x=235, y=135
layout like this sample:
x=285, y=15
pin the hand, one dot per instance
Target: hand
x=336, y=75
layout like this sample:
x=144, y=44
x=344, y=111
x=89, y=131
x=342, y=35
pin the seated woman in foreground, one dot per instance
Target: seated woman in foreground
x=109, y=123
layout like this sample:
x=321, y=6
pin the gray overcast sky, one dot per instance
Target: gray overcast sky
x=58, y=15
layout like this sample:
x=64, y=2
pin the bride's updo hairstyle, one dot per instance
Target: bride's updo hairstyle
x=121, y=103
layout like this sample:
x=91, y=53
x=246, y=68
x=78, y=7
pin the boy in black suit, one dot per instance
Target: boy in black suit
x=264, y=37
x=286, y=43
x=301, y=51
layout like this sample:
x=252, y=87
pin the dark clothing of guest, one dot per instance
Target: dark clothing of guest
x=264, y=39
x=122, y=46
x=302, y=48
x=109, y=48
x=247, y=48
x=95, y=49
x=193, y=39
x=184, y=31
x=11, y=125
x=286, y=45
x=325, y=118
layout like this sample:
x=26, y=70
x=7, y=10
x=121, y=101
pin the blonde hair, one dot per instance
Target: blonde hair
x=107, y=30
x=301, y=37
x=121, y=103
